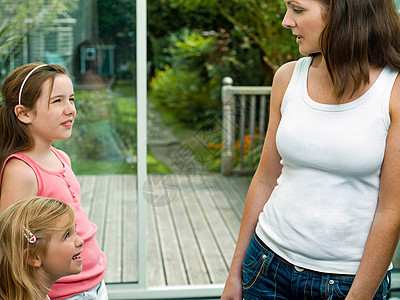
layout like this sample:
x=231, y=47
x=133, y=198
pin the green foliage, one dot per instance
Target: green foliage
x=19, y=18
x=124, y=119
x=166, y=23
x=192, y=51
x=188, y=88
x=249, y=47
x=258, y=20
x=33, y=13
x=238, y=58
x=83, y=167
x=194, y=45
x=165, y=18
x=10, y=41
x=185, y=94
x=117, y=24
x=190, y=85
x=7, y=38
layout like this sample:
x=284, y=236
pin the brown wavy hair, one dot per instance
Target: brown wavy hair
x=359, y=33
x=18, y=278
x=14, y=135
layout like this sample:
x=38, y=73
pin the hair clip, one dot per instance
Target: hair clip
x=29, y=236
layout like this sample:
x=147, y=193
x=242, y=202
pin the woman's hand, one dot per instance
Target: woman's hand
x=232, y=289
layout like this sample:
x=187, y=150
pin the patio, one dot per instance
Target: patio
x=192, y=225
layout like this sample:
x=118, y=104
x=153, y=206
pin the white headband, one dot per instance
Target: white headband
x=26, y=78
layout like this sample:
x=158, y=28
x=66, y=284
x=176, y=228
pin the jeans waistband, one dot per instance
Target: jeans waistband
x=297, y=268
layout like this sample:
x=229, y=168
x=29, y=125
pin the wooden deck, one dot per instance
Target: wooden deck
x=192, y=225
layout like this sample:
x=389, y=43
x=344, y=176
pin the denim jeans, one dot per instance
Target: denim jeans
x=99, y=292
x=268, y=276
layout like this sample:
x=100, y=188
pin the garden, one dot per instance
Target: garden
x=192, y=46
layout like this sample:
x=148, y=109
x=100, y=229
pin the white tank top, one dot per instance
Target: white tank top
x=319, y=215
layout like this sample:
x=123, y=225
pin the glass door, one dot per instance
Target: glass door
x=103, y=147
x=95, y=40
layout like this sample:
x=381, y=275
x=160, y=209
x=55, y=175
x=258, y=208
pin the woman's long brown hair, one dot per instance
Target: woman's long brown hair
x=359, y=33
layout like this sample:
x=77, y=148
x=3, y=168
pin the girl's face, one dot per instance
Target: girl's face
x=306, y=20
x=53, y=119
x=63, y=253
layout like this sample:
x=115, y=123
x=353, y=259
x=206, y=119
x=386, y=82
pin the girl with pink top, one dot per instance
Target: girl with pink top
x=37, y=109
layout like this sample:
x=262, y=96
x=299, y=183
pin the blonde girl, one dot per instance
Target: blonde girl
x=38, y=245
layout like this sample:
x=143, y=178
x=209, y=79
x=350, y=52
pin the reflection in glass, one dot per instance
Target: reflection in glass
x=95, y=42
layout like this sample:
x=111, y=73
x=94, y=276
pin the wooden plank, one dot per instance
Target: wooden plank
x=98, y=207
x=185, y=239
x=155, y=275
x=212, y=255
x=192, y=258
x=206, y=190
x=129, y=229
x=242, y=183
x=172, y=260
x=95, y=198
x=113, y=231
x=234, y=197
x=87, y=183
x=222, y=204
x=81, y=179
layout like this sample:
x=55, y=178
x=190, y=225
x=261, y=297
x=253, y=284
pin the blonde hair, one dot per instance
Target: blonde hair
x=18, y=279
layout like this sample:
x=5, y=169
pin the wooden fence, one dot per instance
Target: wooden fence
x=244, y=123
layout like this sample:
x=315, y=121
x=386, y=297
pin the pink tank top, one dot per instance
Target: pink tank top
x=64, y=186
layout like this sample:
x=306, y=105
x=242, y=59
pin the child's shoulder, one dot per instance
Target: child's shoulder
x=18, y=181
x=17, y=167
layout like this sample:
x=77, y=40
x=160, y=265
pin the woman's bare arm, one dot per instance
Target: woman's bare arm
x=261, y=186
x=384, y=234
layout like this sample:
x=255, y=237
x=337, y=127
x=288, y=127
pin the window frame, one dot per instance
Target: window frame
x=140, y=290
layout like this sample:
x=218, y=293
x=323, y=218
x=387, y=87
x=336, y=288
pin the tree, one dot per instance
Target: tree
x=38, y=11
x=259, y=20
x=42, y=12
x=18, y=18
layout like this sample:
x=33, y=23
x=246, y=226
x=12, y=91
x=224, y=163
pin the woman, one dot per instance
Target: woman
x=322, y=215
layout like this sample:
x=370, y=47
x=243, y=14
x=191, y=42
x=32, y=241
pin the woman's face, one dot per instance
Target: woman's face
x=306, y=19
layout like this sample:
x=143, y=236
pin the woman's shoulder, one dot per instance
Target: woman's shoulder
x=282, y=78
x=285, y=72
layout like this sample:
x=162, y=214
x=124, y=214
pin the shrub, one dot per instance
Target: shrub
x=185, y=93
